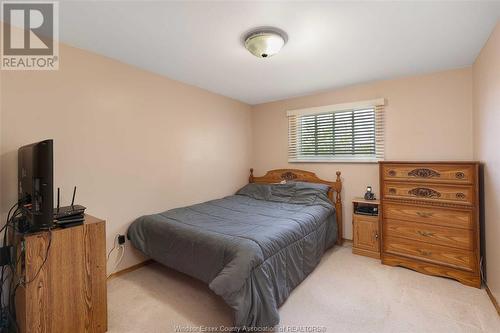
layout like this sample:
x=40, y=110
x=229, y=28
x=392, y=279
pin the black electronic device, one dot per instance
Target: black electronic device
x=369, y=195
x=69, y=211
x=20, y=224
x=366, y=210
x=35, y=184
x=5, y=255
x=70, y=222
x=69, y=225
x=71, y=218
x=61, y=213
x=121, y=239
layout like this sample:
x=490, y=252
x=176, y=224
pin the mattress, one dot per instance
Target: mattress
x=252, y=248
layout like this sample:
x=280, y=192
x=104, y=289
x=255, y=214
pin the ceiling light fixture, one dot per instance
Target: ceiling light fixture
x=265, y=42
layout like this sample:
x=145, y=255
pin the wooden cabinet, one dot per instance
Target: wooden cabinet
x=430, y=218
x=366, y=240
x=65, y=289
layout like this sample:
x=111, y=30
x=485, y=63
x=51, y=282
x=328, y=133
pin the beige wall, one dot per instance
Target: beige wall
x=428, y=117
x=486, y=73
x=133, y=142
x=137, y=143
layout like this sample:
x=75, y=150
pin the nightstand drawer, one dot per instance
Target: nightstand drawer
x=443, y=255
x=453, y=237
x=431, y=215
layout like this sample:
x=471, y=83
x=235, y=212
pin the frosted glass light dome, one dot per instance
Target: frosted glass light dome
x=264, y=44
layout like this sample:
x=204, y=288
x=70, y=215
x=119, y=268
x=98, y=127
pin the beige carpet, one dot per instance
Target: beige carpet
x=346, y=293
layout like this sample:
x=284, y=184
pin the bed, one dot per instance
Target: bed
x=252, y=248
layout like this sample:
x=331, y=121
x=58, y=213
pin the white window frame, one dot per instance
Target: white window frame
x=377, y=104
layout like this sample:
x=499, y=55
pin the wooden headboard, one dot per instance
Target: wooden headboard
x=278, y=175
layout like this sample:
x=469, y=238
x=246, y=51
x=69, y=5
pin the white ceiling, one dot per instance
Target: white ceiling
x=331, y=44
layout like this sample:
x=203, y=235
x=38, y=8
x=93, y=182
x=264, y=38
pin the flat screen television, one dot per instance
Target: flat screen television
x=36, y=184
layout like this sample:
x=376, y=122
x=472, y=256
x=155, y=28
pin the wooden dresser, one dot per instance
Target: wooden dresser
x=430, y=218
x=67, y=291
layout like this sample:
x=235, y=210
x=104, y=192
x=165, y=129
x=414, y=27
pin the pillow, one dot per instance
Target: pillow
x=310, y=194
x=302, y=193
x=316, y=186
x=256, y=191
x=282, y=192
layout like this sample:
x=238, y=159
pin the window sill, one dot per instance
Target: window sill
x=336, y=160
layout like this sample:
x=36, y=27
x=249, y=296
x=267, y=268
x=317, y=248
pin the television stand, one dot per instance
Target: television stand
x=69, y=292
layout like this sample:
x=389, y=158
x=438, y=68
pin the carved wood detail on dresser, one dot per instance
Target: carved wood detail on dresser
x=430, y=218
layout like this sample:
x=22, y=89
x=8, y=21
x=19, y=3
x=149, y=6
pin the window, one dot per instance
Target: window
x=351, y=132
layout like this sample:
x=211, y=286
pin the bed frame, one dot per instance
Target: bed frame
x=278, y=175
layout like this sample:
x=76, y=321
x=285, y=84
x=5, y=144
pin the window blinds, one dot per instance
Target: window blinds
x=350, y=132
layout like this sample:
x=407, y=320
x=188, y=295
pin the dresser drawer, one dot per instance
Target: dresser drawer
x=458, y=174
x=454, y=237
x=438, y=254
x=436, y=216
x=430, y=192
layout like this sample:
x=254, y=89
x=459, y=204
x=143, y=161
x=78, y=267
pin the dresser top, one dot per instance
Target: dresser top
x=429, y=162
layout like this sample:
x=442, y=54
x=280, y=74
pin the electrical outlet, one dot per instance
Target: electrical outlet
x=121, y=239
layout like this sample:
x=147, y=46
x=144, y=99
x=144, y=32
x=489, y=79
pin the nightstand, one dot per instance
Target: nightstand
x=366, y=240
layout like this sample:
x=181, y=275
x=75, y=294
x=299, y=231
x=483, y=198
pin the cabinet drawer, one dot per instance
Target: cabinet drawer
x=431, y=215
x=458, y=174
x=438, y=254
x=454, y=237
x=430, y=192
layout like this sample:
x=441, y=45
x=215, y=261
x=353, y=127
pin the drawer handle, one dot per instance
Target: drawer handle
x=424, y=192
x=392, y=191
x=425, y=214
x=425, y=233
x=424, y=253
x=460, y=195
x=460, y=175
x=424, y=173
x=391, y=173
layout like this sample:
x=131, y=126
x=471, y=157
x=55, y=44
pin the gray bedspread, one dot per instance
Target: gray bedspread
x=252, y=248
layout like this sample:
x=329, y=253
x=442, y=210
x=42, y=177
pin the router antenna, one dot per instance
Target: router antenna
x=73, y=200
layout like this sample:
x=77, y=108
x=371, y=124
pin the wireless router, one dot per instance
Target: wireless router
x=69, y=215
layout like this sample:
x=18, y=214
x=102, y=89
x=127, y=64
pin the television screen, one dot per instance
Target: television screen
x=35, y=182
